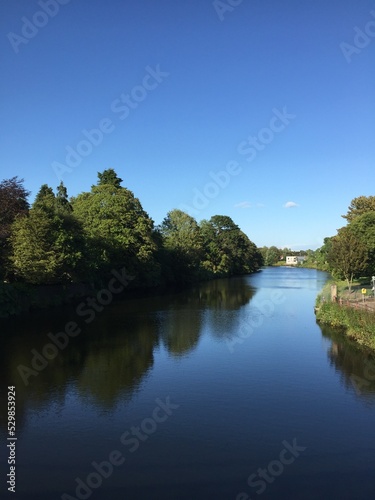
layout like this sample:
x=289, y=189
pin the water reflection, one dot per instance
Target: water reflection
x=109, y=360
x=356, y=366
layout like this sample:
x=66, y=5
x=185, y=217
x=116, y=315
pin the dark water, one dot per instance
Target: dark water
x=229, y=390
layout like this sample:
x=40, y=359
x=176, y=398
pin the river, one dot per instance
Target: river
x=229, y=390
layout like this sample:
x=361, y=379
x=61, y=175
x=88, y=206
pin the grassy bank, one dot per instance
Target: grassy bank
x=357, y=324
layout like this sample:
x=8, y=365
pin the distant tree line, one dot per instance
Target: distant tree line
x=273, y=255
x=60, y=240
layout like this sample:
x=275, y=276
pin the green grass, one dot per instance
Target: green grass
x=343, y=291
x=357, y=324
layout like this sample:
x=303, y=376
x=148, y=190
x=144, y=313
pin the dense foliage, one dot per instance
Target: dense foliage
x=80, y=240
x=350, y=254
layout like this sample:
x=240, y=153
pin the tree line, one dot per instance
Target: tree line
x=61, y=240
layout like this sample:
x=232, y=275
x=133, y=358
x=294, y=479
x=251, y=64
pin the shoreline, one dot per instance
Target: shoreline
x=357, y=324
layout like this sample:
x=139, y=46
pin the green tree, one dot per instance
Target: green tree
x=360, y=206
x=228, y=250
x=13, y=202
x=321, y=254
x=118, y=230
x=272, y=256
x=109, y=176
x=48, y=244
x=363, y=227
x=46, y=250
x=62, y=201
x=183, y=245
x=347, y=256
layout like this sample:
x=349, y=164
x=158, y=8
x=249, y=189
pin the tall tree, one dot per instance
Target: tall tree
x=45, y=200
x=119, y=231
x=62, y=200
x=13, y=202
x=182, y=241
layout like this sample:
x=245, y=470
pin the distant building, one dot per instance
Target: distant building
x=293, y=260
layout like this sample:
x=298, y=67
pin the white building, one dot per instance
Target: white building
x=291, y=260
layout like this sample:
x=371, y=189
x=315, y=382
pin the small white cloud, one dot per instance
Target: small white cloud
x=290, y=204
x=243, y=204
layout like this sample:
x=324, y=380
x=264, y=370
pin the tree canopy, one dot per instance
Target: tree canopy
x=119, y=232
x=360, y=206
x=62, y=240
x=348, y=255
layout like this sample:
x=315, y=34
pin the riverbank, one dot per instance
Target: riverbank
x=355, y=321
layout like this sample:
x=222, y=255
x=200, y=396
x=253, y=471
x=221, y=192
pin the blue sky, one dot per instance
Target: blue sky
x=179, y=89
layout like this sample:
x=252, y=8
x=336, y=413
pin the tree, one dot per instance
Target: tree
x=119, y=231
x=272, y=256
x=13, y=201
x=183, y=245
x=48, y=244
x=347, y=256
x=46, y=250
x=45, y=200
x=363, y=227
x=62, y=200
x=359, y=206
x=109, y=176
x=228, y=250
x=321, y=254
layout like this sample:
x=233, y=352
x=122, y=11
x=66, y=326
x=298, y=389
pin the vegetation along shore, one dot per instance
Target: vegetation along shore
x=60, y=248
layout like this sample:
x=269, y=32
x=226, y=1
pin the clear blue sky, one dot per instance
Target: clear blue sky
x=220, y=76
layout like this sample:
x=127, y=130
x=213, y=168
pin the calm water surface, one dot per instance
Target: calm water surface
x=229, y=390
